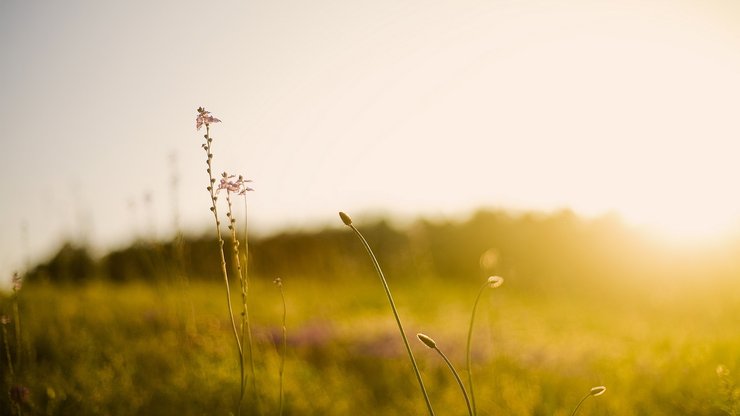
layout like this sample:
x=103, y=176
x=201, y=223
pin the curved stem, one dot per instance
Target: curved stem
x=457, y=378
x=580, y=403
x=467, y=349
x=395, y=315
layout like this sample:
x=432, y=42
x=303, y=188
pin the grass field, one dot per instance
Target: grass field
x=167, y=349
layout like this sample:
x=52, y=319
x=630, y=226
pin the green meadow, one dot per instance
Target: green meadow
x=154, y=349
x=662, y=345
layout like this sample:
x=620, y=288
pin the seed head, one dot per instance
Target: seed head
x=427, y=341
x=495, y=281
x=278, y=281
x=598, y=391
x=345, y=218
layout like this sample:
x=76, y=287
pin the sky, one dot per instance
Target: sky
x=403, y=108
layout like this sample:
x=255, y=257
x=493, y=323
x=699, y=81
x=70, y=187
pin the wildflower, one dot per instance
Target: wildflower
x=238, y=186
x=4, y=319
x=278, y=281
x=204, y=117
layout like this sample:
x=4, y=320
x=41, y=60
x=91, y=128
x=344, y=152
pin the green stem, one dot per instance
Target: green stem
x=395, y=314
x=580, y=403
x=235, y=252
x=467, y=349
x=457, y=378
x=284, y=347
x=224, y=271
x=7, y=352
x=245, y=300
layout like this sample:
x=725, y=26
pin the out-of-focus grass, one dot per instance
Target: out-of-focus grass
x=138, y=349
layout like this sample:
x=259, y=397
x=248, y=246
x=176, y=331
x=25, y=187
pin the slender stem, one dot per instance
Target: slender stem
x=284, y=348
x=7, y=352
x=467, y=348
x=580, y=403
x=395, y=314
x=245, y=300
x=17, y=326
x=457, y=378
x=595, y=391
x=235, y=249
x=224, y=272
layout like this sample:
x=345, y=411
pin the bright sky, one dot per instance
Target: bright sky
x=410, y=107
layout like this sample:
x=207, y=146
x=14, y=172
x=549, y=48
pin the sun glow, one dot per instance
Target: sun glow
x=687, y=225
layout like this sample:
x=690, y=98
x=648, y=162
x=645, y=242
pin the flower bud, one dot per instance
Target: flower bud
x=495, y=281
x=345, y=218
x=427, y=341
x=597, y=391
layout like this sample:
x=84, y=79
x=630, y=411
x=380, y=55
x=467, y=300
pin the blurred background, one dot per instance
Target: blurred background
x=583, y=150
x=406, y=109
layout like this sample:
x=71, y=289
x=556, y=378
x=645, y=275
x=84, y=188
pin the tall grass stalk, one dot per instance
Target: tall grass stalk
x=492, y=282
x=239, y=186
x=595, y=391
x=235, y=252
x=429, y=342
x=16, y=392
x=348, y=222
x=205, y=118
x=279, y=282
x=4, y=321
x=245, y=288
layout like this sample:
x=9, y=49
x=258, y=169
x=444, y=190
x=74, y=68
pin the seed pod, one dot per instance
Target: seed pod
x=597, y=391
x=495, y=281
x=427, y=341
x=345, y=218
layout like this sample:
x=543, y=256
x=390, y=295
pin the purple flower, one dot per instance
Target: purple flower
x=204, y=117
x=238, y=186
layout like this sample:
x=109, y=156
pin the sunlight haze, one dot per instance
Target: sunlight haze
x=403, y=108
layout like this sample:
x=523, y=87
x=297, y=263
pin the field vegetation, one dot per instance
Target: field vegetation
x=144, y=329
